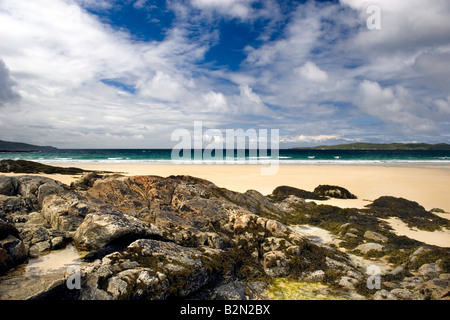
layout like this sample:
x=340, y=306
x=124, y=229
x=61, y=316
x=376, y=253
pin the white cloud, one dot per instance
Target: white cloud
x=394, y=106
x=234, y=8
x=215, y=102
x=310, y=71
x=312, y=139
x=406, y=25
x=304, y=77
x=162, y=87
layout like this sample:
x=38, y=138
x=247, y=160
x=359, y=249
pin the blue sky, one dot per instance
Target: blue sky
x=126, y=74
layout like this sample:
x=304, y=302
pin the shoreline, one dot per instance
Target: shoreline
x=426, y=184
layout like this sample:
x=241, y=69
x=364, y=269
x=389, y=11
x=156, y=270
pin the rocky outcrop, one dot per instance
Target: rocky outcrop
x=28, y=190
x=282, y=192
x=12, y=248
x=24, y=166
x=409, y=212
x=333, y=192
x=149, y=237
x=102, y=229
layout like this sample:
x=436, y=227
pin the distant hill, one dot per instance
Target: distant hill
x=8, y=146
x=378, y=146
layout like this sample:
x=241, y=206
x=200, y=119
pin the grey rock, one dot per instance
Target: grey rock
x=8, y=186
x=366, y=247
x=351, y=235
x=429, y=271
x=12, y=252
x=66, y=211
x=402, y=294
x=347, y=283
x=383, y=295
x=334, y=192
x=315, y=276
x=411, y=282
x=230, y=291
x=397, y=273
x=437, y=288
x=101, y=229
x=36, y=188
x=275, y=264
x=371, y=235
x=57, y=242
x=14, y=204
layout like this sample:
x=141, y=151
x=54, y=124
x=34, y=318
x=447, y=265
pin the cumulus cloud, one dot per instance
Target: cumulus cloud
x=394, y=105
x=315, y=72
x=307, y=138
x=310, y=71
x=234, y=8
x=7, y=92
x=426, y=24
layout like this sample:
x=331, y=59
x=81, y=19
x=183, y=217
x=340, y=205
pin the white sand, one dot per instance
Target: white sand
x=437, y=238
x=427, y=185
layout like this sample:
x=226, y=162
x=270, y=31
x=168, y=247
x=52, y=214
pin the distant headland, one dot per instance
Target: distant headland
x=381, y=146
x=8, y=146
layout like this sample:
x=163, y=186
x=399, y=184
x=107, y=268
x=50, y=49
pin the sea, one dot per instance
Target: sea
x=283, y=156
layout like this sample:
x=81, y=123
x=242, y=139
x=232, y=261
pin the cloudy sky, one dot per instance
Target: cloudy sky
x=125, y=74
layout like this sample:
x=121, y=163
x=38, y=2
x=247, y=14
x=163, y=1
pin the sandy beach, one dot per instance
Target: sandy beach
x=427, y=185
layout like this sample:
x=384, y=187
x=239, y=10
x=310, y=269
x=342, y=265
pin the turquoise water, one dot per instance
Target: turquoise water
x=285, y=156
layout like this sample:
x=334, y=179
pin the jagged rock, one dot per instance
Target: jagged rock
x=384, y=295
x=66, y=211
x=429, y=271
x=26, y=193
x=315, y=276
x=230, y=291
x=12, y=252
x=282, y=192
x=101, y=229
x=348, y=283
x=411, y=282
x=276, y=264
x=277, y=229
x=36, y=219
x=402, y=294
x=366, y=247
x=187, y=237
x=36, y=188
x=437, y=288
x=239, y=290
x=371, y=235
x=291, y=204
x=12, y=248
x=334, y=192
x=14, y=204
x=86, y=181
x=161, y=270
x=398, y=272
x=8, y=186
x=409, y=212
x=415, y=256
